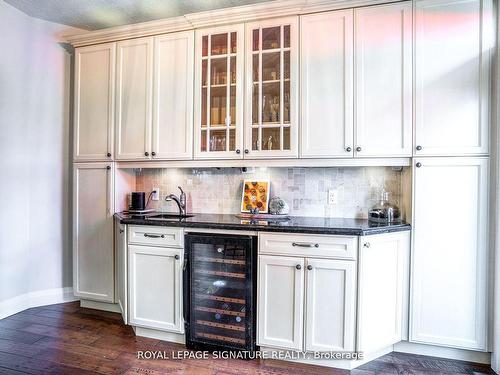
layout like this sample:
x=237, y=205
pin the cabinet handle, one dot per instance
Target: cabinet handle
x=418, y=165
x=358, y=149
x=309, y=267
x=298, y=266
x=176, y=257
x=301, y=244
x=146, y=153
x=348, y=149
x=153, y=153
x=154, y=235
x=419, y=148
x=246, y=151
x=108, y=154
x=108, y=167
x=367, y=245
x=238, y=151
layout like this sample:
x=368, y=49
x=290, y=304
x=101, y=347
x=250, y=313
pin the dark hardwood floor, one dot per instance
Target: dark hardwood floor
x=67, y=339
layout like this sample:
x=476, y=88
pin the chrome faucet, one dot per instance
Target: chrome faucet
x=181, y=201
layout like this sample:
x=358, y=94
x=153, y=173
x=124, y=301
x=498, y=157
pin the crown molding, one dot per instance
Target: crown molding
x=219, y=17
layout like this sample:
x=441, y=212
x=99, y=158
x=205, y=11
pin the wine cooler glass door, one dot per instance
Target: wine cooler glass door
x=220, y=273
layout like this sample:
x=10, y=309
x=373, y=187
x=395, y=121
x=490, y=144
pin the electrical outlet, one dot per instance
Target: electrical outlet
x=155, y=196
x=333, y=196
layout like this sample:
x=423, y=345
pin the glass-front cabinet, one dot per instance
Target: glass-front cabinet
x=219, y=92
x=232, y=122
x=271, y=85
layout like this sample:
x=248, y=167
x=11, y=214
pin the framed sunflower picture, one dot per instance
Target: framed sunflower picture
x=255, y=195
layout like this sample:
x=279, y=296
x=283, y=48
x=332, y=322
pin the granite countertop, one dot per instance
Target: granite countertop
x=296, y=224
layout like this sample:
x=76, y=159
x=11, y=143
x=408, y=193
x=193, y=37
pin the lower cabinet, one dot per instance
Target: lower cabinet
x=121, y=265
x=93, y=259
x=450, y=259
x=155, y=287
x=325, y=322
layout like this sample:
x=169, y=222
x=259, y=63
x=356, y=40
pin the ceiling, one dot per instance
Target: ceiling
x=99, y=14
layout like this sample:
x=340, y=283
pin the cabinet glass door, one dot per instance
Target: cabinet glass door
x=218, y=124
x=271, y=75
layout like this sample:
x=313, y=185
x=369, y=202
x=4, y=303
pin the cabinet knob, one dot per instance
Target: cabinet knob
x=108, y=154
x=358, y=149
x=367, y=245
x=121, y=231
x=238, y=151
x=419, y=148
x=146, y=153
x=108, y=167
x=309, y=267
x=298, y=266
x=176, y=257
x=246, y=151
x=348, y=149
x=418, y=165
x=153, y=153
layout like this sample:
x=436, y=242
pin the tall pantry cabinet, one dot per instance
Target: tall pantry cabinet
x=450, y=278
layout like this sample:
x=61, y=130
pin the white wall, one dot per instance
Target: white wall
x=35, y=252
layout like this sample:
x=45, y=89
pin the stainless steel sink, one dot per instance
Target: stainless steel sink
x=167, y=217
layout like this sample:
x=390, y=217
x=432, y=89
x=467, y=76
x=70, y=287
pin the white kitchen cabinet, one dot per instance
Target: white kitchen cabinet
x=94, y=102
x=172, y=135
x=450, y=253
x=383, y=76
x=155, y=288
x=326, y=80
x=93, y=259
x=455, y=41
x=121, y=265
x=272, y=56
x=134, y=79
x=382, y=284
x=280, y=302
x=330, y=308
x=218, y=97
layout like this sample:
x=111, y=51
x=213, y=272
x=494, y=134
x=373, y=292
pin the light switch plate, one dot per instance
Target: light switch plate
x=333, y=196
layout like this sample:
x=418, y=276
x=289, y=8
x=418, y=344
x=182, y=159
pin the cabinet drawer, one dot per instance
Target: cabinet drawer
x=156, y=236
x=307, y=245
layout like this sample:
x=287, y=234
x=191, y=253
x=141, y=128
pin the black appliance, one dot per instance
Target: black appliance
x=220, y=282
x=138, y=201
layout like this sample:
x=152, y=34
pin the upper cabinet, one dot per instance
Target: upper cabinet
x=94, y=102
x=172, y=136
x=133, y=98
x=326, y=63
x=454, y=44
x=218, y=114
x=271, y=123
x=383, y=76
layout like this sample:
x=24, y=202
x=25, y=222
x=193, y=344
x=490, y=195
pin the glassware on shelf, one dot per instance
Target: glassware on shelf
x=384, y=211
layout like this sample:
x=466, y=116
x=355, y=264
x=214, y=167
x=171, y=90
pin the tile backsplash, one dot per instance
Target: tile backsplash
x=218, y=190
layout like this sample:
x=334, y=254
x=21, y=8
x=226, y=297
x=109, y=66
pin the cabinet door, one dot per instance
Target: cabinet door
x=133, y=98
x=455, y=40
x=93, y=261
x=330, y=305
x=94, y=102
x=155, y=284
x=121, y=264
x=280, y=302
x=381, y=289
x=326, y=80
x=383, y=76
x=218, y=95
x=173, y=96
x=271, y=123
x=450, y=253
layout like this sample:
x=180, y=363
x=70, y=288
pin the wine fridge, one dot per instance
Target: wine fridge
x=220, y=291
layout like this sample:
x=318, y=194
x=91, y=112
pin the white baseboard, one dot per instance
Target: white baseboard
x=25, y=301
x=160, y=335
x=442, y=352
